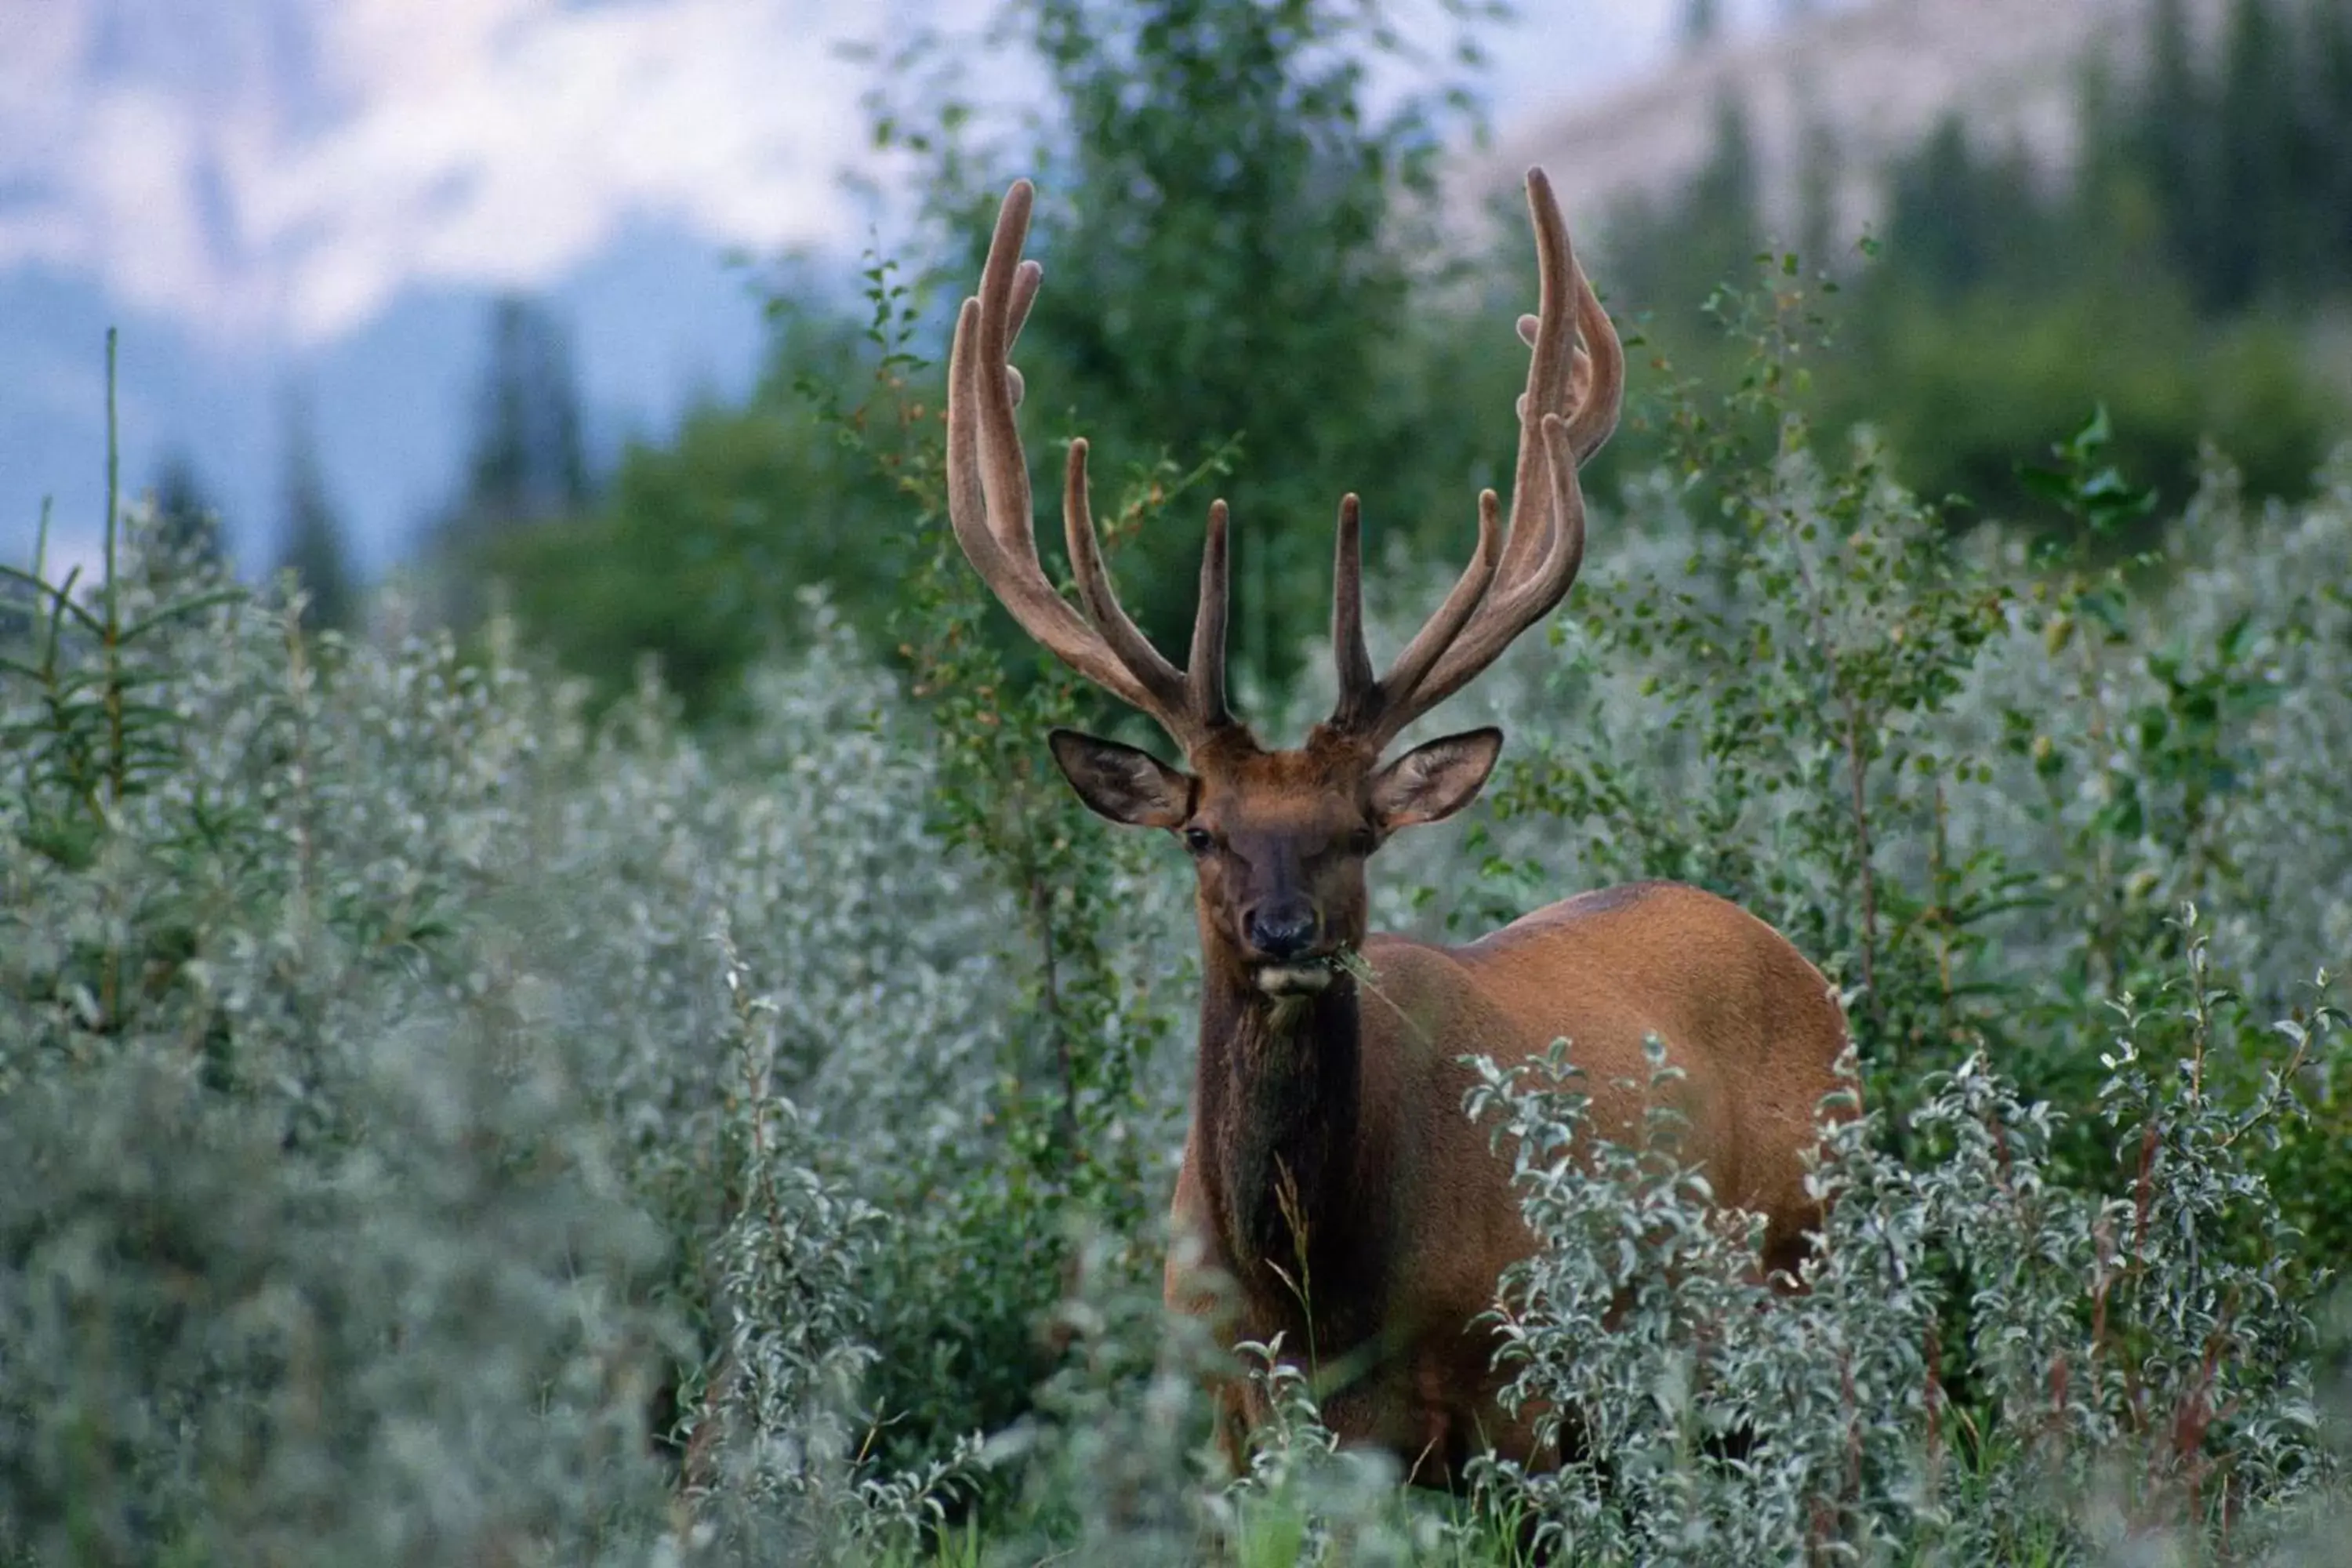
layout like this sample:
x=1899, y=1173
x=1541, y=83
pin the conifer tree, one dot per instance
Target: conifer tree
x=2256, y=133
x=528, y=461
x=1702, y=23
x=187, y=523
x=313, y=547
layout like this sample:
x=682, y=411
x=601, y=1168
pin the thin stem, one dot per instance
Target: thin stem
x=1855, y=773
x=2201, y=1016
x=1294, y=1216
x=1943, y=881
x=113, y=475
x=117, y=754
x=301, y=802
x=2100, y=958
x=1040, y=904
x=1856, y=768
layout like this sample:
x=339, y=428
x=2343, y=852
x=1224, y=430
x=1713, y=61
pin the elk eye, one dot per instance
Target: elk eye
x=1199, y=840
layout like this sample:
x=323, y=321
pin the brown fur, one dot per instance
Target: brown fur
x=1333, y=1191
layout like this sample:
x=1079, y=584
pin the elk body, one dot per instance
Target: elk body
x=1332, y=1190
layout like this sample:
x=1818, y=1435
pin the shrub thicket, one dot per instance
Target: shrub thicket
x=438, y=1127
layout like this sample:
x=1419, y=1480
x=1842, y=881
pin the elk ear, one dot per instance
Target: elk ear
x=1432, y=782
x=1122, y=783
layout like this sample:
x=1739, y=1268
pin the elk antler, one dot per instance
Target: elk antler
x=1568, y=410
x=988, y=503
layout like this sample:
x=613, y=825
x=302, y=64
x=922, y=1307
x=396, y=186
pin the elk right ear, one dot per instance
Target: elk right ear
x=1122, y=783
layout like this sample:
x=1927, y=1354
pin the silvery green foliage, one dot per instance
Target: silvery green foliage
x=2166, y=743
x=2085, y=764
x=419, y=1348
x=383, y=1133
x=365, y=1067
x=2140, y=1359
x=1304, y=1499
x=1117, y=1464
x=772, y=1456
x=2277, y=571
x=1113, y=1459
x=656, y=842
x=314, y=1247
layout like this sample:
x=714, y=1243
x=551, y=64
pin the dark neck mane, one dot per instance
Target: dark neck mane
x=1278, y=1095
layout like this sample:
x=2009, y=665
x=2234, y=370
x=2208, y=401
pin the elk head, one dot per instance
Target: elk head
x=1280, y=837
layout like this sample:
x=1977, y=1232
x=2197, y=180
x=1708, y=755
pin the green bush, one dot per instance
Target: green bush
x=1984, y=378
x=440, y=1127
x=697, y=548
x=2120, y=1354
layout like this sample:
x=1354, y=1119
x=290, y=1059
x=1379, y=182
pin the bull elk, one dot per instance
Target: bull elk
x=1331, y=1187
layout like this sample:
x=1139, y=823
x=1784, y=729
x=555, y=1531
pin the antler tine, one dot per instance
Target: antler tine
x=1401, y=684
x=1349, y=652
x=1554, y=442
x=1027, y=278
x=988, y=503
x=1516, y=605
x=1602, y=396
x=1551, y=375
x=1569, y=409
x=1013, y=574
x=1004, y=476
x=1367, y=707
x=1205, y=664
x=1128, y=644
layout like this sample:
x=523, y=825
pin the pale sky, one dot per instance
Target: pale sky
x=277, y=169
x=270, y=176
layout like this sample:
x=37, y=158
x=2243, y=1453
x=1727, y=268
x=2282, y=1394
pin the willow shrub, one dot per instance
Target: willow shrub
x=437, y=1127
x=2135, y=1373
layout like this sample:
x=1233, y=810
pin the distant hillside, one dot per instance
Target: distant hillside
x=1867, y=84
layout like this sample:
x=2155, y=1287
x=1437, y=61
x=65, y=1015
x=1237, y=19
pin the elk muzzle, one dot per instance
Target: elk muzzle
x=1283, y=933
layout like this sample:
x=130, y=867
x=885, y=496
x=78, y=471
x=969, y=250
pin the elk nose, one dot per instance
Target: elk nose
x=1283, y=930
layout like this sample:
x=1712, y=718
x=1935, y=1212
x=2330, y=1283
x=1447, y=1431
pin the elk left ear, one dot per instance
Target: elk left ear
x=1432, y=782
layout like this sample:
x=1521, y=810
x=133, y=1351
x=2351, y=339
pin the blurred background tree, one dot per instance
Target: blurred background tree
x=2170, y=272
x=1229, y=232
x=694, y=552
x=528, y=463
x=312, y=545
x=1702, y=23
x=1246, y=269
x=188, y=522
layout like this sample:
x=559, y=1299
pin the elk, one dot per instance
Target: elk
x=1332, y=1191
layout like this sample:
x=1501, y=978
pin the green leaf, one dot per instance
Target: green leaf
x=184, y=608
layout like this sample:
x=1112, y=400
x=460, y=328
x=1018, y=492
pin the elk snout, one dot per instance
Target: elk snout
x=1282, y=929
